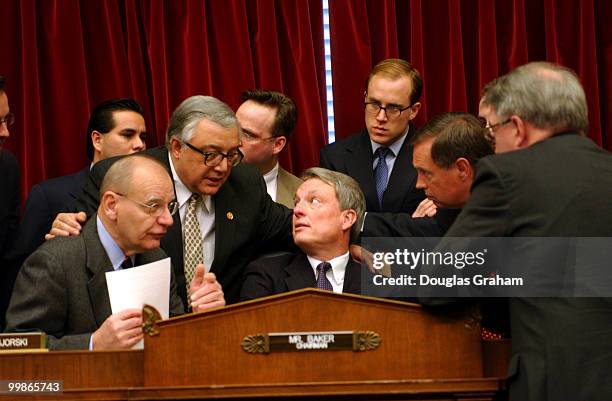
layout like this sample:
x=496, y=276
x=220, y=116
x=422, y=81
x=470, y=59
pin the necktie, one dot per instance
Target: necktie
x=322, y=281
x=192, y=250
x=381, y=173
x=127, y=263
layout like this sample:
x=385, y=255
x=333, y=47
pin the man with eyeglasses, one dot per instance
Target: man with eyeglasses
x=547, y=179
x=225, y=216
x=61, y=288
x=380, y=156
x=267, y=119
x=10, y=199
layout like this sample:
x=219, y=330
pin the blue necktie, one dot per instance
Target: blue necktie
x=381, y=173
x=322, y=281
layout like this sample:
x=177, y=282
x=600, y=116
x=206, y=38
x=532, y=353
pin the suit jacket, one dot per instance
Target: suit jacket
x=560, y=187
x=10, y=200
x=246, y=222
x=353, y=156
x=44, y=202
x=402, y=225
x=61, y=290
x=278, y=274
x=286, y=185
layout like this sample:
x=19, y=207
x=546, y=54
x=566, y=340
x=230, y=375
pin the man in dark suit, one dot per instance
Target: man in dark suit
x=225, y=202
x=61, y=288
x=116, y=127
x=10, y=200
x=445, y=153
x=268, y=119
x=548, y=180
x=380, y=156
x=329, y=208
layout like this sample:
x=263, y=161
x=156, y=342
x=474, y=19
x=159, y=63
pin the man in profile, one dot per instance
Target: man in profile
x=61, y=289
x=268, y=119
x=327, y=214
x=10, y=200
x=379, y=157
x=546, y=180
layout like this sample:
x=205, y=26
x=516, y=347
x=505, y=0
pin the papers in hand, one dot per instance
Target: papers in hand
x=135, y=287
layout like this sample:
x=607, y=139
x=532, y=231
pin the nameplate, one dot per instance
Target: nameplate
x=311, y=341
x=18, y=342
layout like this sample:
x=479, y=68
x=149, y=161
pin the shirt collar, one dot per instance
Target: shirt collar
x=182, y=192
x=271, y=175
x=338, y=265
x=395, y=146
x=115, y=254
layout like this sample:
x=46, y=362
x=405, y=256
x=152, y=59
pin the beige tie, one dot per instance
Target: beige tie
x=193, y=240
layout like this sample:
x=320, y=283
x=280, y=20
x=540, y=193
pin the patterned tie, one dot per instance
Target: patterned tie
x=381, y=173
x=322, y=281
x=193, y=254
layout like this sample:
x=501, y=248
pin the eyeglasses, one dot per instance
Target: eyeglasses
x=9, y=120
x=248, y=137
x=491, y=128
x=392, y=112
x=213, y=159
x=155, y=209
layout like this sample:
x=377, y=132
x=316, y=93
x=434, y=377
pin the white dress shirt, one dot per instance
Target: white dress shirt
x=271, y=179
x=335, y=275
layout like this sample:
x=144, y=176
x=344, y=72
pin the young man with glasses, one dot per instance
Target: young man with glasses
x=61, y=288
x=267, y=119
x=380, y=156
x=10, y=199
x=225, y=216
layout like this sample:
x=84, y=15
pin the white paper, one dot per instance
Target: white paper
x=135, y=287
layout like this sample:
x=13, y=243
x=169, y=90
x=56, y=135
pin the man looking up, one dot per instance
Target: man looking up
x=328, y=212
x=380, y=156
x=268, y=119
x=61, y=289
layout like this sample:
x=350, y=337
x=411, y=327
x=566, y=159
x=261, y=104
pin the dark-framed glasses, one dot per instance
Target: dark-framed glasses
x=214, y=158
x=391, y=111
x=155, y=209
x=9, y=120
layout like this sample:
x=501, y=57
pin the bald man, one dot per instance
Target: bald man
x=61, y=289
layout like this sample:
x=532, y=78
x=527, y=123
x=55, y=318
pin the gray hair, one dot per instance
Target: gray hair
x=348, y=193
x=547, y=95
x=194, y=109
x=118, y=178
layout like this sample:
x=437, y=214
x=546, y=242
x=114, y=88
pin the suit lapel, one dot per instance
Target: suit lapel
x=403, y=176
x=359, y=166
x=299, y=274
x=352, y=278
x=98, y=264
x=226, y=216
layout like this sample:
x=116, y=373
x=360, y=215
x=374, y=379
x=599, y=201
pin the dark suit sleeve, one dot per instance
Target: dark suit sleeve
x=257, y=281
x=399, y=225
x=36, y=221
x=176, y=303
x=40, y=302
x=275, y=228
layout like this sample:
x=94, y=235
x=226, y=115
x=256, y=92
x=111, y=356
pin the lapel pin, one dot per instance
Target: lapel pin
x=230, y=216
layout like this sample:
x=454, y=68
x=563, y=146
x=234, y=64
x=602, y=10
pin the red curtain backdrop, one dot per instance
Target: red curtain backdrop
x=62, y=57
x=458, y=46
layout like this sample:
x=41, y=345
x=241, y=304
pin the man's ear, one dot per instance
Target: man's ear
x=464, y=169
x=109, y=205
x=96, y=140
x=521, y=136
x=175, y=148
x=349, y=217
x=279, y=144
x=414, y=110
